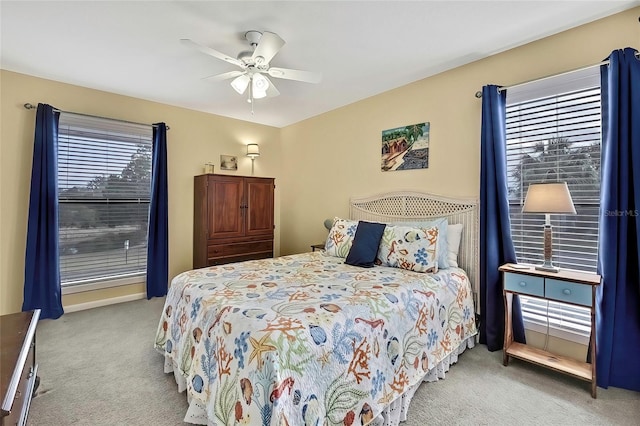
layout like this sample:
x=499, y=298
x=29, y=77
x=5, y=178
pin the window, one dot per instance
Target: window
x=553, y=134
x=104, y=184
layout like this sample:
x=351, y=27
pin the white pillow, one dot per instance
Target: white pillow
x=454, y=235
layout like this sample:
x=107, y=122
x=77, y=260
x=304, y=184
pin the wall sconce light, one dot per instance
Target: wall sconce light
x=253, y=151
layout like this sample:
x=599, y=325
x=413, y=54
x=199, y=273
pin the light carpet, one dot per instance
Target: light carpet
x=98, y=367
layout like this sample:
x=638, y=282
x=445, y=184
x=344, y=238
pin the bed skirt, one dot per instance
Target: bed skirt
x=392, y=415
x=396, y=412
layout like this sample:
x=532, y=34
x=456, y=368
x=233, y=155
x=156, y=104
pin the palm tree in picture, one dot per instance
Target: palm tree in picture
x=414, y=132
x=558, y=159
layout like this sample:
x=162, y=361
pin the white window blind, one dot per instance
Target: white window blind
x=104, y=184
x=553, y=134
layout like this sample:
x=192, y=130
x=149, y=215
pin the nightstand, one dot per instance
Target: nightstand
x=315, y=247
x=575, y=288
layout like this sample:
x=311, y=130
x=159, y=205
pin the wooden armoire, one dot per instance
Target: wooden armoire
x=232, y=219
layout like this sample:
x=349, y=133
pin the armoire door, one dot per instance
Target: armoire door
x=225, y=205
x=259, y=206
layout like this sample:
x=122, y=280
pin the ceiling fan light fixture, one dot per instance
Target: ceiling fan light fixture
x=260, y=83
x=259, y=95
x=241, y=83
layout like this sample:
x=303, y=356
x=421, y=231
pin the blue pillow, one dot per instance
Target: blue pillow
x=364, y=249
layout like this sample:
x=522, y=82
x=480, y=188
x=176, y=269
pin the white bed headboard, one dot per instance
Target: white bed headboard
x=401, y=206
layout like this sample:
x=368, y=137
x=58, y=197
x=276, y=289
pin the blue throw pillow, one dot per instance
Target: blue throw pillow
x=365, y=244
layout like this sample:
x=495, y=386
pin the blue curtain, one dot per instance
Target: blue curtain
x=158, y=240
x=496, y=246
x=42, y=267
x=618, y=297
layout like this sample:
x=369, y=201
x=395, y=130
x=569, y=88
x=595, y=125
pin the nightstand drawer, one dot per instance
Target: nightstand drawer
x=564, y=291
x=525, y=284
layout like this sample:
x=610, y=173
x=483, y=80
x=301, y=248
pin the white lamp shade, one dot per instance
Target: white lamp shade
x=241, y=83
x=257, y=94
x=253, y=150
x=260, y=83
x=259, y=86
x=548, y=198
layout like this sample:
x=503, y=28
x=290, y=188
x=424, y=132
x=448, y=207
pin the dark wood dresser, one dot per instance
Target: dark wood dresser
x=232, y=219
x=18, y=373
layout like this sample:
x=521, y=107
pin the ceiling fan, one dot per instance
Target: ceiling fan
x=254, y=65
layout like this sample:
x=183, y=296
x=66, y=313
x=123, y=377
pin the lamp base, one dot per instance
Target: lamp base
x=547, y=268
x=547, y=264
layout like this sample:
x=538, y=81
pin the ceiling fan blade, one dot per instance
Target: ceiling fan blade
x=269, y=45
x=225, y=76
x=289, y=74
x=272, y=92
x=212, y=52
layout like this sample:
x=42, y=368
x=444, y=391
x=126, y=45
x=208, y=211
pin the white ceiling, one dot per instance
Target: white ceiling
x=361, y=48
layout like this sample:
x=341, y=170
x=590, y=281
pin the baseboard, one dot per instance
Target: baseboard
x=103, y=302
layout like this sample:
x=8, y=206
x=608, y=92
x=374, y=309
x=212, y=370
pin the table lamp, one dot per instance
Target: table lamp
x=548, y=198
x=253, y=151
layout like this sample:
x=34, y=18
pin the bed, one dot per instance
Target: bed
x=309, y=340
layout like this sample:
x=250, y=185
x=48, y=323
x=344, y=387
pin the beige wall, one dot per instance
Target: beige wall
x=194, y=138
x=331, y=157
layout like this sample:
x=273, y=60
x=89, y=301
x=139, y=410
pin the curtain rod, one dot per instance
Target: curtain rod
x=31, y=106
x=500, y=89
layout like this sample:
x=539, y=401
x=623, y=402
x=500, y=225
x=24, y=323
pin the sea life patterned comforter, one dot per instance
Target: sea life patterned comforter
x=308, y=340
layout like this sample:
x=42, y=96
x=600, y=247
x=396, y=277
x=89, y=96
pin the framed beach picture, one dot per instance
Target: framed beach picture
x=228, y=162
x=405, y=148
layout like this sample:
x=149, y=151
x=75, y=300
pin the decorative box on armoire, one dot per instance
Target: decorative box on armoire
x=232, y=219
